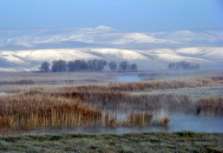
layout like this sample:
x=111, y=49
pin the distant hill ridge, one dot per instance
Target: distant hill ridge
x=207, y=57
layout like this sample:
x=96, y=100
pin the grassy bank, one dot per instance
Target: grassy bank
x=129, y=143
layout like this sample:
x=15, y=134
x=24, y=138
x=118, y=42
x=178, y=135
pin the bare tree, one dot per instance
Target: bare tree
x=133, y=67
x=96, y=65
x=123, y=66
x=45, y=67
x=113, y=66
x=59, y=66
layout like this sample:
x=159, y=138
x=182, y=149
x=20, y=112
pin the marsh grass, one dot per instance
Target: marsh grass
x=87, y=106
x=210, y=106
x=124, y=101
x=45, y=110
x=40, y=111
x=33, y=111
x=140, y=119
x=153, y=85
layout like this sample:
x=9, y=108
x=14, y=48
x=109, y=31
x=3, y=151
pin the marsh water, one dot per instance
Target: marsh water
x=178, y=122
x=128, y=78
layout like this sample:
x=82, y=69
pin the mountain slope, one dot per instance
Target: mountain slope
x=208, y=57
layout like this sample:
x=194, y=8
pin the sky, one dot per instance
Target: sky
x=125, y=15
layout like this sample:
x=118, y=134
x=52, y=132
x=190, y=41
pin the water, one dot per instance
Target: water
x=185, y=122
x=128, y=78
x=178, y=123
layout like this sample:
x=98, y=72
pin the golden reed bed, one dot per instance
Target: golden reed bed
x=86, y=106
x=40, y=111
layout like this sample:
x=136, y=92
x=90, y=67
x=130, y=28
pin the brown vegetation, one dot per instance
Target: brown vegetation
x=89, y=105
x=43, y=110
x=139, y=119
x=217, y=78
x=162, y=121
x=210, y=106
x=39, y=111
x=152, y=85
x=112, y=100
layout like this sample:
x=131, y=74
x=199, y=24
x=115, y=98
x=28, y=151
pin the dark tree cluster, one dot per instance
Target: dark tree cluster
x=183, y=66
x=59, y=66
x=125, y=66
x=94, y=65
x=45, y=67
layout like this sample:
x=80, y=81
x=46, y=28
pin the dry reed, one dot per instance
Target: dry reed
x=124, y=101
x=151, y=85
x=210, y=106
x=39, y=111
x=83, y=106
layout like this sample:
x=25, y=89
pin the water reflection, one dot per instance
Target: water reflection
x=128, y=78
x=188, y=122
x=125, y=119
x=120, y=122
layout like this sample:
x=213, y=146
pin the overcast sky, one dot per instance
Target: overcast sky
x=125, y=15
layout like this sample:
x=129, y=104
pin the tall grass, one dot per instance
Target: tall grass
x=88, y=106
x=123, y=101
x=210, y=106
x=39, y=111
x=152, y=85
x=43, y=110
x=139, y=119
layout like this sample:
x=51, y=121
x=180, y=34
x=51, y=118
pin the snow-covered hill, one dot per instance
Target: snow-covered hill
x=207, y=57
x=25, y=50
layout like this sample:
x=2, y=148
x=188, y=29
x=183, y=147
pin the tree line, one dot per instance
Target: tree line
x=183, y=66
x=95, y=65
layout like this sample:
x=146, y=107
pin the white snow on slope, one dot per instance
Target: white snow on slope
x=46, y=55
x=191, y=51
x=122, y=54
x=146, y=59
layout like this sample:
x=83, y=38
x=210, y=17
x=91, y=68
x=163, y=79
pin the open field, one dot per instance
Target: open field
x=129, y=143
